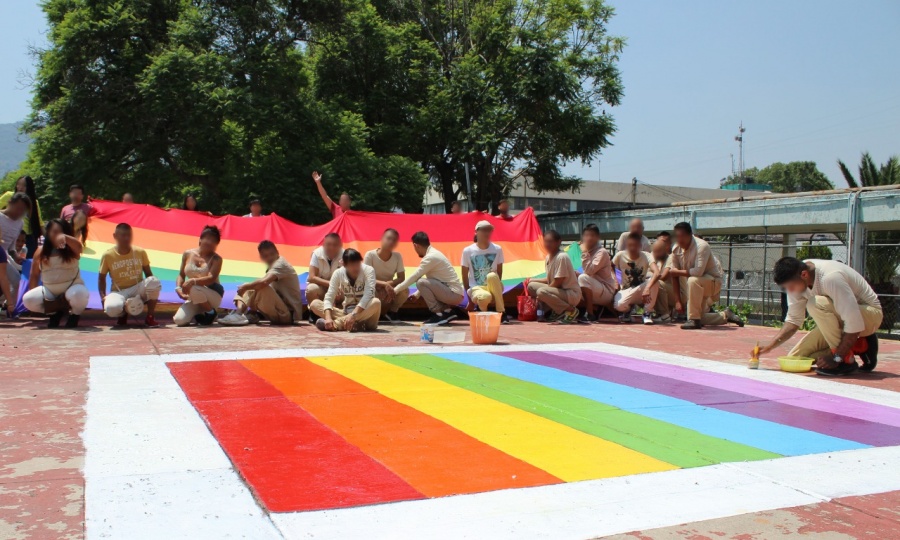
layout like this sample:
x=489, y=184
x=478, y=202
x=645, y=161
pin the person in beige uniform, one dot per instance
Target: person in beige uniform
x=436, y=281
x=559, y=290
x=636, y=226
x=660, y=252
x=843, y=305
x=636, y=286
x=324, y=261
x=355, y=282
x=274, y=297
x=597, y=282
x=697, y=280
x=389, y=272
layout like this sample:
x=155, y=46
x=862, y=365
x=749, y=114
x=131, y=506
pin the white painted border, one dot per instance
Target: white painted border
x=153, y=470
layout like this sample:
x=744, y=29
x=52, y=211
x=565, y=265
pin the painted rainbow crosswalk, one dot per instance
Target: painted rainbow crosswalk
x=329, y=432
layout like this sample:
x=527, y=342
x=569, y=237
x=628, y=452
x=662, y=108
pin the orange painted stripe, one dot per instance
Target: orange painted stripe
x=237, y=250
x=434, y=458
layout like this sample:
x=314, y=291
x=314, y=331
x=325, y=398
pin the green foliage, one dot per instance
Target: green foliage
x=793, y=177
x=810, y=251
x=165, y=97
x=501, y=86
x=871, y=174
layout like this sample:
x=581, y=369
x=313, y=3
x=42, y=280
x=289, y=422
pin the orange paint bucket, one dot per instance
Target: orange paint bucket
x=485, y=327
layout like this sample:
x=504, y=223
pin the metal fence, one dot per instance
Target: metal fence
x=748, y=261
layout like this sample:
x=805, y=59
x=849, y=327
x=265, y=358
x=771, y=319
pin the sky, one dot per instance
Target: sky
x=811, y=80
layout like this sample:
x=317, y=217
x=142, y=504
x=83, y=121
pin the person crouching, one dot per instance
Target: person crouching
x=355, y=282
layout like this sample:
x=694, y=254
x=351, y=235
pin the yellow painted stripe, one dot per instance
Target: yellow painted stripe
x=557, y=449
x=232, y=267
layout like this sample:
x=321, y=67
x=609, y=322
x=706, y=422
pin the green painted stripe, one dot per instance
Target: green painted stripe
x=667, y=442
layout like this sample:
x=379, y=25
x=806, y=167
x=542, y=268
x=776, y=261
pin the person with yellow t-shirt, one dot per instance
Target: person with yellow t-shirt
x=127, y=265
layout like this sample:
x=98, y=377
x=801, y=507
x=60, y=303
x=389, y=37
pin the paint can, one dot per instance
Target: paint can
x=427, y=333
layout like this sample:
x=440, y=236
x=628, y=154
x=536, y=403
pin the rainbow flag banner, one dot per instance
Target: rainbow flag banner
x=318, y=433
x=166, y=234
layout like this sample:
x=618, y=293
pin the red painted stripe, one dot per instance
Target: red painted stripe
x=287, y=457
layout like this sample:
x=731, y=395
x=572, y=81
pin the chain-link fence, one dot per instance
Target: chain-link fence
x=882, y=260
x=748, y=261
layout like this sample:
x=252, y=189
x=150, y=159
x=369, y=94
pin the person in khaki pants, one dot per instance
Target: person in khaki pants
x=324, y=261
x=597, y=281
x=436, y=280
x=274, y=297
x=559, y=290
x=843, y=305
x=389, y=272
x=697, y=278
x=355, y=282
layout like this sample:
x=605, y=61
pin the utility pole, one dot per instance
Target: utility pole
x=469, y=189
x=740, y=139
x=633, y=192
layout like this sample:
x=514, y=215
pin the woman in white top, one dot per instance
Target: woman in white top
x=389, y=272
x=198, y=281
x=55, y=274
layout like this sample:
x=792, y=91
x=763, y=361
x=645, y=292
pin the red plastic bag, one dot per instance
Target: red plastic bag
x=527, y=305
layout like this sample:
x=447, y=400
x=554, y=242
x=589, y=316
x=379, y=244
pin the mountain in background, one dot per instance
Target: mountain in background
x=13, y=147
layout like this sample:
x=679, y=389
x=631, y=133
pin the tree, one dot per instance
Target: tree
x=872, y=175
x=497, y=86
x=793, y=177
x=883, y=258
x=213, y=96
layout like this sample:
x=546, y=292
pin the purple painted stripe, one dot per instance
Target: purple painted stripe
x=827, y=423
x=749, y=387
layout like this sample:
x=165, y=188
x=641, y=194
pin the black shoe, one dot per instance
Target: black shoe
x=72, y=321
x=313, y=318
x=870, y=357
x=436, y=319
x=692, y=324
x=206, y=319
x=55, y=319
x=449, y=316
x=843, y=369
x=587, y=317
x=504, y=318
x=731, y=317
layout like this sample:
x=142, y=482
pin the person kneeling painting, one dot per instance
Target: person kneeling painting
x=127, y=265
x=843, y=305
x=355, y=282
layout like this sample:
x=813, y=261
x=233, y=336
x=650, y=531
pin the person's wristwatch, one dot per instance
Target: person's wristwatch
x=838, y=359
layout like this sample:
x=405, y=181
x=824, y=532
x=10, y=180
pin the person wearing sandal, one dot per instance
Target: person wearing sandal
x=55, y=286
x=198, y=281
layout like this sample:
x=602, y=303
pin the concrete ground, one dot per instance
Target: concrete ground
x=43, y=385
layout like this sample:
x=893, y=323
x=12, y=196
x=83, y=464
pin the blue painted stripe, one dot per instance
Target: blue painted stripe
x=770, y=436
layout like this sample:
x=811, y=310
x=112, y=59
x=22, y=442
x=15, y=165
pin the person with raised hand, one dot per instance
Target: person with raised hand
x=337, y=210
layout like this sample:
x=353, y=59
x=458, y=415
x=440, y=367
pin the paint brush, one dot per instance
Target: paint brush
x=754, y=358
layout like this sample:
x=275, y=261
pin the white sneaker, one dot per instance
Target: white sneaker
x=648, y=319
x=234, y=319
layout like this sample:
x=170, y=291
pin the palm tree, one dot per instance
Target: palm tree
x=870, y=174
x=883, y=258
